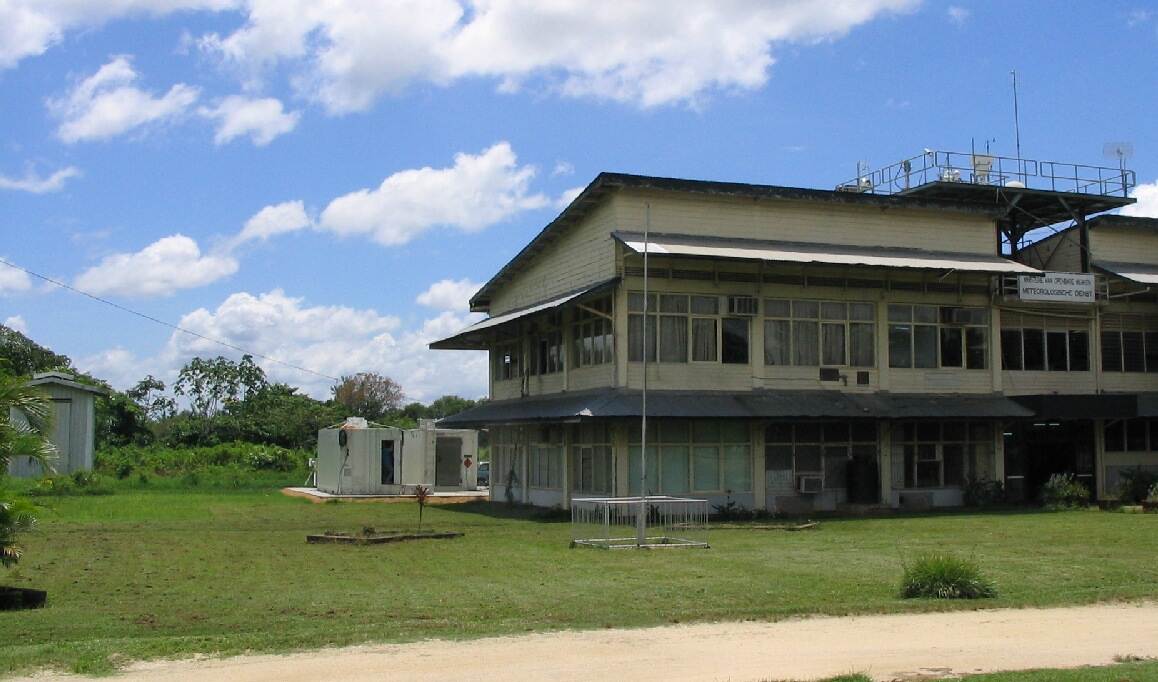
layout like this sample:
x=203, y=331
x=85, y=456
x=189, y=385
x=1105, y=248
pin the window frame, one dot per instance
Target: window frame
x=797, y=316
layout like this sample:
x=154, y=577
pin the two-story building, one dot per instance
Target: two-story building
x=809, y=349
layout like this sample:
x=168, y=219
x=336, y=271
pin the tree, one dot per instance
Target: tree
x=449, y=405
x=149, y=395
x=367, y=394
x=24, y=417
x=21, y=356
x=210, y=385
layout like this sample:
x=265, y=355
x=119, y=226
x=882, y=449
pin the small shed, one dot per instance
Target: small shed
x=358, y=458
x=72, y=426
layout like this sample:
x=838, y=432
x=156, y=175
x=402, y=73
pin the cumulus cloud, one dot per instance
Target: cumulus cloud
x=475, y=193
x=288, y=216
x=262, y=119
x=449, y=294
x=16, y=323
x=1147, y=206
x=563, y=168
x=160, y=269
x=346, y=55
x=107, y=104
x=29, y=27
x=35, y=184
x=567, y=196
x=333, y=340
x=13, y=280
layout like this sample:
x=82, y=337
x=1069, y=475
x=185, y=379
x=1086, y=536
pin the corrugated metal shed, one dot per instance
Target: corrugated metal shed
x=831, y=254
x=72, y=424
x=612, y=403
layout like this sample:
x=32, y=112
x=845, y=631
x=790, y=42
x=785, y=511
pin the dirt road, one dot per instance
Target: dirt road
x=886, y=647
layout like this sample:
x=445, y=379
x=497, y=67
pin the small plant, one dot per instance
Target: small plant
x=1136, y=484
x=1064, y=491
x=421, y=493
x=944, y=576
x=983, y=493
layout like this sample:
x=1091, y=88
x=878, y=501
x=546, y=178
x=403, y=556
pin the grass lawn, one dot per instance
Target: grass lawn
x=143, y=574
x=1141, y=671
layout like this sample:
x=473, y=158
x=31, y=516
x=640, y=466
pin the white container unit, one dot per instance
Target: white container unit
x=359, y=459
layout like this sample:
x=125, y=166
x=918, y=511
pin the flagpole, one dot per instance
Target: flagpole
x=641, y=516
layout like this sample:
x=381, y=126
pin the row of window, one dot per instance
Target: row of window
x=1045, y=350
x=938, y=454
x=698, y=456
x=821, y=449
x=1129, y=351
x=924, y=336
x=1132, y=435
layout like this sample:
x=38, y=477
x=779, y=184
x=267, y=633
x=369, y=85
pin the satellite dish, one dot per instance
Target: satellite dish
x=1118, y=150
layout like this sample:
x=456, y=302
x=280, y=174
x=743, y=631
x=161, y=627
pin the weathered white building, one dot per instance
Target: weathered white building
x=72, y=425
x=885, y=343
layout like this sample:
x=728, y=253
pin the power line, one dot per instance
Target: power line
x=163, y=323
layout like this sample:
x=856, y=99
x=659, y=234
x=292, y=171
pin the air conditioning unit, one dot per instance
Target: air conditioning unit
x=743, y=305
x=809, y=484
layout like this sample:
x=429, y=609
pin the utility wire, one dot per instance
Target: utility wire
x=163, y=323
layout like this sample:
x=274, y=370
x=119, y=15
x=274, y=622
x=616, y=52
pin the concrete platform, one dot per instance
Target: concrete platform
x=443, y=497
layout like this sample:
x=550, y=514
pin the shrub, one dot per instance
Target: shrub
x=1063, y=491
x=1152, y=496
x=1136, y=484
x=983, y=493
x=943, y=576
x=79, y=483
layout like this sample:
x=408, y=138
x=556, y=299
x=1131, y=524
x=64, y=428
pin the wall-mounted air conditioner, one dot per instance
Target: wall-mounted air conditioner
x=743, y=305
x=809, y=484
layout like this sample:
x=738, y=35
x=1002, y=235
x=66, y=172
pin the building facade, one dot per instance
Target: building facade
x=811, y=350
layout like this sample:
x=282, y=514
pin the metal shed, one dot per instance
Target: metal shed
x=72, y=425
x=359, y=458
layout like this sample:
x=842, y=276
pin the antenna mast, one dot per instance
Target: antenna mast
x=1017, y=126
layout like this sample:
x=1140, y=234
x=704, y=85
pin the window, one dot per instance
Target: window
x=1036, y=349
x=547, y=352
x=818, y=448
x=1130, y=350
x=506, y=469
x=545, y=458
x=683, y=328
x=940, y=454
x=698, y=456
x=924, y=336
x=814, y=333
x=507, y=362
x=592, y=342
x=1132, y=435
x=1011, y=350
x=735, y=341
x=591, y=463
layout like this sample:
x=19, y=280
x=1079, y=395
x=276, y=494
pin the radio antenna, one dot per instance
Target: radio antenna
x=1017, y=125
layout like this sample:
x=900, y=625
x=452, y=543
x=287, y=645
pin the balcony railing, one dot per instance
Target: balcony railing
x=993, y=171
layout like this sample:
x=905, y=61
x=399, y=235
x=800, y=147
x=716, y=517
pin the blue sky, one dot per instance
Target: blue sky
x=325, y=182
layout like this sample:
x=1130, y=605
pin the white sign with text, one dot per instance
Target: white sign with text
x=1064, y=287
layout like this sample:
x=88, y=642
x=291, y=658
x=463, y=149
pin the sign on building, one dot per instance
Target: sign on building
x=1063, y=287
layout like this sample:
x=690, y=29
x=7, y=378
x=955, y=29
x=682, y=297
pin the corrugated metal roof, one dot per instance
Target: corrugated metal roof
x=471, y=339
x=799, y=252
x=1089, y=406
x=1148, y=405
x=1135, y=272
x=767, y=404
x=63, y=379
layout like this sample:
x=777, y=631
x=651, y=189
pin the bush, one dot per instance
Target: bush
x=78, y=483
x=227, y=465
x=943, y=576
x=1152, y=496
x=1063, y=491
x=983, y=493
x=1136, y=485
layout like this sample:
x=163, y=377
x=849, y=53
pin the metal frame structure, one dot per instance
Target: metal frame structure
x=614, y=522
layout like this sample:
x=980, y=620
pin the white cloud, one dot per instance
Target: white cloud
x=345, y=55
x=1147, y=206
x=16, y=323
x=13, y=280
x=473, y=194
x=562, y=168
x=160, y=269
x=29, y=27
x=261, y=119
x=288, y=216
x=107, y=104
x=333, y=340
x=449, y=294
x=567, y=196
x=35, y=184
x=958, y=15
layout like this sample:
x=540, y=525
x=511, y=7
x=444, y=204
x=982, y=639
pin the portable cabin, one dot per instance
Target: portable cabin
x=71, y=427
x=358, y=458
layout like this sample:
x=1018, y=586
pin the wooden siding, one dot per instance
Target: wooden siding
x=1124, y=245
x=1059, y=253
x=806, y=221
x=582, y=255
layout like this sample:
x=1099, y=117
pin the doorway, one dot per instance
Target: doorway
x=1034, y=451
x=448, y=462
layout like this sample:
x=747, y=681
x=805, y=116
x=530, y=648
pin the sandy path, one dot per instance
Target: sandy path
x=887, y=647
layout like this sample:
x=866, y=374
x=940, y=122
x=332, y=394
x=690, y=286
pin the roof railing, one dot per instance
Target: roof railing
x=934, y=166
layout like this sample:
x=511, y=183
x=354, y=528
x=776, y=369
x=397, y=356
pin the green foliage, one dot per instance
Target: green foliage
x=21, y=356
x=16, y=517
x=1064, y=491
x=1152, y=496
x=24, y=417
x=983, y=493
x=367, y=394
x=231, y=463
x=79, y=483
x=1136, y=485
x=210, y=385
x=944, y=576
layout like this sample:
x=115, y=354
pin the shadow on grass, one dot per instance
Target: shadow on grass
x=507, y=511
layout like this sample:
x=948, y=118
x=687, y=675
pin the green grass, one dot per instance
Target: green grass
x=143, y=574
x=1145, y=671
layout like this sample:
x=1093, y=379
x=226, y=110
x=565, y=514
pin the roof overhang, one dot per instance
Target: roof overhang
x=62, y=379
x=1135, y=272
x=830, y=254
x=794, y=404
x=1089, y=406
x=478, y=335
